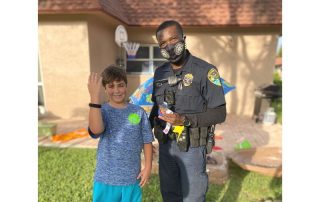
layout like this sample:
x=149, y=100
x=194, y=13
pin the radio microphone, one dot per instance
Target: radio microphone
x=172, y=80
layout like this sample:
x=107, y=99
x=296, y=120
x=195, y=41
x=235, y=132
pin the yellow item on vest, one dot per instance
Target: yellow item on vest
x=178, y=130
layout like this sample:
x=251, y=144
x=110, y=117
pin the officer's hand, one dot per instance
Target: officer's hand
x=174, y=119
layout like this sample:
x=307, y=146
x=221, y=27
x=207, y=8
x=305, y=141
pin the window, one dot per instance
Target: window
x=147, y=59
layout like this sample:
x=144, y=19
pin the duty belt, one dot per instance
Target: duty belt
x=198, y=136
x=195, y=137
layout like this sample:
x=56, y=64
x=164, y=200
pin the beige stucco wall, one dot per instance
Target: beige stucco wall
x=246, y=61
x=64, y=63
x=103, y=49
x=70, y=47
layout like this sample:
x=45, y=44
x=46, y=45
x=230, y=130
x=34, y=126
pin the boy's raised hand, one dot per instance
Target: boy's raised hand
x=95, y=87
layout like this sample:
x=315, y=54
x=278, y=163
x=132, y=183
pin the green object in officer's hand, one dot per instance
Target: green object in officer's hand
x=245, y=144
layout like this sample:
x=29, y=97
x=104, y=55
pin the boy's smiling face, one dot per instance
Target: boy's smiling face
x=116, y=92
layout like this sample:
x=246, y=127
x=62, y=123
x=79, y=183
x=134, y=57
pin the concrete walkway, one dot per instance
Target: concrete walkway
x=233, y=131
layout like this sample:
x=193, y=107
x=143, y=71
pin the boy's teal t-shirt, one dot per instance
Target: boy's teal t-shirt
x=120, y=145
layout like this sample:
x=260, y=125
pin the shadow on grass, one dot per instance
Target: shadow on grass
x=223, y=193
x=242, y=186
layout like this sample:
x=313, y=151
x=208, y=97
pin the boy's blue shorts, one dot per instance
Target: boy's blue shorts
x=110, y=193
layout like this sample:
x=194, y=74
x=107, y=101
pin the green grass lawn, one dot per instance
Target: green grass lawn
x=67, y=175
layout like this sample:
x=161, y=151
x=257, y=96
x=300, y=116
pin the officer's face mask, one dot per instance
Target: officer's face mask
x=173, y=52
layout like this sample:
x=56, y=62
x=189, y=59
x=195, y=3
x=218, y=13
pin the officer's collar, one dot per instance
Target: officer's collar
x=187, y=64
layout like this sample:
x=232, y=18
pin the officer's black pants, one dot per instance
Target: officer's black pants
x=183, y=175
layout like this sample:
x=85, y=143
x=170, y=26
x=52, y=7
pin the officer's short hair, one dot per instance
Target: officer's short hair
x=170, y=23
x=113, y=73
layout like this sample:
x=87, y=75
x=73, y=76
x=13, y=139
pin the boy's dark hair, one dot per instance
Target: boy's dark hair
x=113, y=73
x=170, y=23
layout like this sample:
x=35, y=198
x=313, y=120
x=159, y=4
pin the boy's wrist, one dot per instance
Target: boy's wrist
x=148, y=166
x=95, y=101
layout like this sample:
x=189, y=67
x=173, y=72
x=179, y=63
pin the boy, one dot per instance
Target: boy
x=123, y=129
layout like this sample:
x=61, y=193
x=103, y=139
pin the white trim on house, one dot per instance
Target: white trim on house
x=150, y=60
x=41, y=108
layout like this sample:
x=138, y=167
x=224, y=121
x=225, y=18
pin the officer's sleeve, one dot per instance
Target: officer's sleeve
x=210, y=117
x=146, y=129
x=95, y=136
x=212, y=91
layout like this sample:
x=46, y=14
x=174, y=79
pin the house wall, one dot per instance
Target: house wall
x=70, y=47
x=64, y=62
x=103, y=49
x=244, y=60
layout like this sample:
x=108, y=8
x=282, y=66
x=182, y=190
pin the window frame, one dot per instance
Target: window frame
x=151, y=60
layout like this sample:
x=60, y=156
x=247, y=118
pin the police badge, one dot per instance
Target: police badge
x=187, y=79
x=213, y=77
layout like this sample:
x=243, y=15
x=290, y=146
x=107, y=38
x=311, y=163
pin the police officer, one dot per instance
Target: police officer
x=191, y=89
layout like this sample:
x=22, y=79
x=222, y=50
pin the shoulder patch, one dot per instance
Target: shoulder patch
x=213, y=77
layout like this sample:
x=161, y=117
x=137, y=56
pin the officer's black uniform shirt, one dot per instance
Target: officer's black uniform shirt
x=201, y=86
